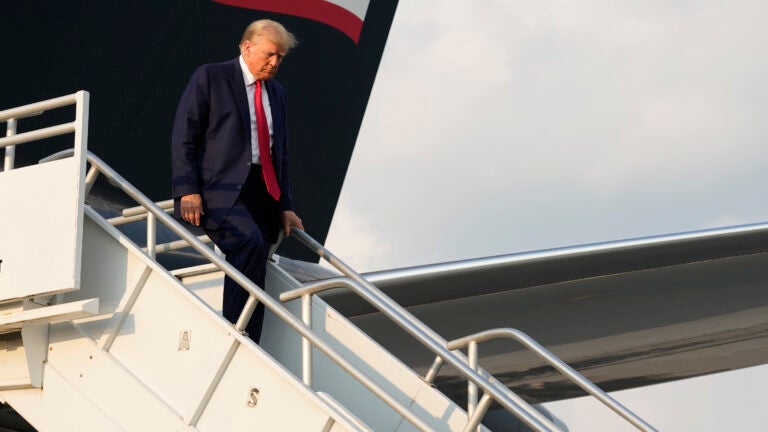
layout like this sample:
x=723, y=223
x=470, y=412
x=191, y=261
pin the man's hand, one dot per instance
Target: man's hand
x=290, y=219
x=192, y=208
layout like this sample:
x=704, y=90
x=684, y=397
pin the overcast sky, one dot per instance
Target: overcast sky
x=503, y=126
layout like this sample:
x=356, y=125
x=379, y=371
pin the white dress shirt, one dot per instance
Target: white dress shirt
x=250, y=87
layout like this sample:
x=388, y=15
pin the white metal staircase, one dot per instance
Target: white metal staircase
x=96, y=335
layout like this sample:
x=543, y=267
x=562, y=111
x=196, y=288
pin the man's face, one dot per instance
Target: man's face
x=263, y=57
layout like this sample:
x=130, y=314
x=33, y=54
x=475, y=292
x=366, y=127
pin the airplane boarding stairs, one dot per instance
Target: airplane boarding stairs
x=96, y=335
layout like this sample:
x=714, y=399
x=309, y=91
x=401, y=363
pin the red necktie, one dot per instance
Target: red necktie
x=262, y=130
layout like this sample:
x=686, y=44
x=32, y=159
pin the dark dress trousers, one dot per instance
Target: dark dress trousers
x=211, y=156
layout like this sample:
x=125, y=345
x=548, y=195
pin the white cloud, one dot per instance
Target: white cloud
x=523, y=125
x=356, y=243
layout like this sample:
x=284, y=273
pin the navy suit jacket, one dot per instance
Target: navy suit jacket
x=211, y=140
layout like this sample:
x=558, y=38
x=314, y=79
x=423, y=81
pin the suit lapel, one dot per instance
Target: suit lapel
x=277, y=108
x=237, y=84
x=278, y=126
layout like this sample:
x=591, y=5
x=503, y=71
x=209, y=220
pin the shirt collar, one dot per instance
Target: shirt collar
x=247, y=75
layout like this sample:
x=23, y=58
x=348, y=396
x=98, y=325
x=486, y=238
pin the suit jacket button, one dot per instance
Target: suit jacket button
x=239, y=187
x=248, y=163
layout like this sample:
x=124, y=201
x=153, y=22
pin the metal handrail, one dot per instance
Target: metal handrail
x=133, y=214
x=306, y=291
x=140, y=210
x=175, y=245
x=13, y=115
x=256, y=293
x=421, y=332
x=37, y=107
x=123, y=220
x=156, y=213
x=34, y=109
x=368, y=292
x=354, y=281
x=471, y=342
x=39, y=134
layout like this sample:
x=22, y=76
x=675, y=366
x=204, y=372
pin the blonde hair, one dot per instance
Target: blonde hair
x=272, y=30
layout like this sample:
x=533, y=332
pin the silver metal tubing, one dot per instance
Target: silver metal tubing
x=106, y=341
x=256, y=292
x=436, y=344
x=429, y=378
x=474, y=420
x=121, y=220
x=39, y=134
x=17, y=118
x=317, y=287
x=10, y=151
x=194, y=418
x=151, y=235
x=431, y=340
x=199, y=270
x=272, y=250
x=82, y=99
x=558, y=364
x=9, y=162
x=245, y=315
x=79, y=126
x=177, y=244
x=471, y=387
x=90, y=179
x=361, y=427
x=306, y=346
x=37, y=107
x=140, y=210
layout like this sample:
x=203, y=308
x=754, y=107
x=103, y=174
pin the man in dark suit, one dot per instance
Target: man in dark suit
x=229, y=154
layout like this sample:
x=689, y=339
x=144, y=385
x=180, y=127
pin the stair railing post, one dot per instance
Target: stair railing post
x=90, y=179
x=473, y=421
x=559, y=365
x=245, y=315
x=472, y=387
x=433, y=341
x=10, y=151
x=429, y=378
x=306, y=345
x=151, y=235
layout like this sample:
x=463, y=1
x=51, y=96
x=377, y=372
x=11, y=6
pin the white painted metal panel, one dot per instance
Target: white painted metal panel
x=343, y=412
x=13, y=362
x=59, y=408
x=254, y=395
x=169, y=343
x=105, y=383
x=357, y=347
x=179, y=376
x=107, y=267
x=167, y=352
x=108, y=271
x=85, y=389
x=208, y=287
x=279, y=340
x=40, y=227
x=430, y=404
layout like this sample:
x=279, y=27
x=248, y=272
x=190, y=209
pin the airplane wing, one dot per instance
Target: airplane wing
x=625, y=314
